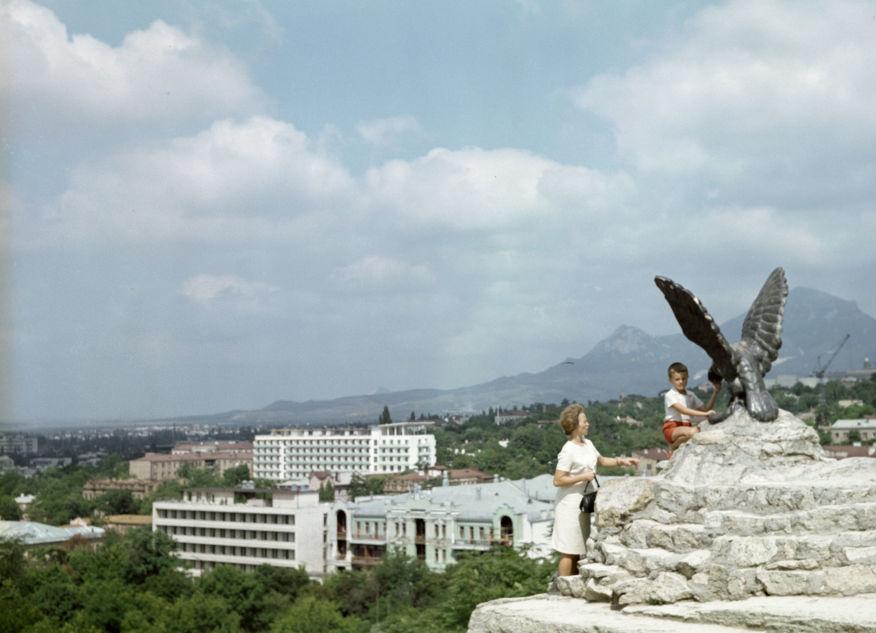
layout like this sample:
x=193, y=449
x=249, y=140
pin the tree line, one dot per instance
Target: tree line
x=132, y=583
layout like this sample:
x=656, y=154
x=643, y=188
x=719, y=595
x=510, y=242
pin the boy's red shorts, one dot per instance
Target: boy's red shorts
x=669, y=426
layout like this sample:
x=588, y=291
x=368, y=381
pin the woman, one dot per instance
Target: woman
x=576, y=467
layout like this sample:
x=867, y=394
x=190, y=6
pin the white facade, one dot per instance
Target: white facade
x=437, y=525
x=286, y=454
x=282, y=529
x=866, y=428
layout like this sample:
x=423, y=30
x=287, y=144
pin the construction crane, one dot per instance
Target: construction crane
x=819, y=368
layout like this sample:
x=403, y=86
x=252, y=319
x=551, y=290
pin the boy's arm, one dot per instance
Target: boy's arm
x=711, y=403
x=694, y=413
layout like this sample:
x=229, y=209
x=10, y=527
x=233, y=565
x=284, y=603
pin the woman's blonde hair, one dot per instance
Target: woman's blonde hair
x=569, y=418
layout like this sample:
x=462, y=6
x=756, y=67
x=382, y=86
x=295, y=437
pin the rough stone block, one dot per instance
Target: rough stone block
x=850, y=580
x=865, y=515
x=619, y=499
x=857, y=555
x=748, y=551
x=693, y=562
x=571, y=586
x=636, y=533
x=791, y=583
x=827, y=519
x=679, y=538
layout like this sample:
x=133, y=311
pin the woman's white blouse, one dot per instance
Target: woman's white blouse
x=576, y=459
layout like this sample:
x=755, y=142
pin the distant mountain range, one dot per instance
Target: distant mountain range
x=629, y=361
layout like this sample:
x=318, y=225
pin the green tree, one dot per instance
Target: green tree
x=314, y=615
x=385, y=418
x=9, y=510
x=56, y=595
x=198, y=477
x=282, y=580
x=17, y=612
x=12, y=484
x=104, y=605
x=327, y=491
x=149, y=554
x=200, y=613
x=350, y=590
x=500, y=573
x=361, y=486
x=60, y=499
x=403, y=582
x=234, y=476
x=117, y=502
x=12, y=562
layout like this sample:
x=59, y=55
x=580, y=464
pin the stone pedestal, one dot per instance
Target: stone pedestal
x=744, y=509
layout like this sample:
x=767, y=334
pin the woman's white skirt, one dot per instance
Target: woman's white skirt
x=571, y=526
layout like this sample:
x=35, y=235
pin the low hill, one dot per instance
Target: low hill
x=629, y=361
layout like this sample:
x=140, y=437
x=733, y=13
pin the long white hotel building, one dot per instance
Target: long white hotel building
x=246, y=528
x=292, y=454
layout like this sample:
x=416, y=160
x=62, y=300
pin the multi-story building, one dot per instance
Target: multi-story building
x=159, y=466
x=285, y=454
x=139, y=488
x=18, y=444
x=449, y=476
x=437, y=525
x=187, y=448
x=865, y=427
x=247, y=527
x=648, y=460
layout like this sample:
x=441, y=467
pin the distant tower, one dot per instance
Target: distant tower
x=867, y=363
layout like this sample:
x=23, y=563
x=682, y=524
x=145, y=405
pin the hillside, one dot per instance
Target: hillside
x=629, y=361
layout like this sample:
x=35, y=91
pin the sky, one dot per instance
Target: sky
x=213, y=205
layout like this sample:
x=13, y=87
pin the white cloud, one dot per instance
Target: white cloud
x=384, y=132
x=475, y=188
x=159, y=73
x=234, y=181
x=754, y=94
x=207, y=290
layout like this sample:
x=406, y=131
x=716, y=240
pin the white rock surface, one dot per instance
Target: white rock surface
x=559, y=614
x=744, y=509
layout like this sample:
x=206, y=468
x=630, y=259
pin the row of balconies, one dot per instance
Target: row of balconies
x=222, y=519
x=443, y=542
x=233, y=542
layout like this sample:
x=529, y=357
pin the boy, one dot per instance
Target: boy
x=683, y=408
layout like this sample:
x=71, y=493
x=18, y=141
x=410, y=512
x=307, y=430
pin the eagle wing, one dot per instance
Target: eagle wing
x=698, y=325
x=762, y=328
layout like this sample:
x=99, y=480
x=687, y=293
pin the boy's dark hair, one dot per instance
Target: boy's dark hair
x=678, y=368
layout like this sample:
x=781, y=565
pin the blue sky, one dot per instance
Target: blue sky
x=215, y=205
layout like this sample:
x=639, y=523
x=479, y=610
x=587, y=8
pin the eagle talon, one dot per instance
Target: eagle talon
x=715, y=418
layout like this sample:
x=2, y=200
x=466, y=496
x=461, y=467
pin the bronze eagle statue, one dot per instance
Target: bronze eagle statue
x=741, y=365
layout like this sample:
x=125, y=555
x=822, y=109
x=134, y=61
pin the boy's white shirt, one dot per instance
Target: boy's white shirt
x=689, y=400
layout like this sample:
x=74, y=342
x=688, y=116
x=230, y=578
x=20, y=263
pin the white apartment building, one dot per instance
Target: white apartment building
x=286, y=454
x=247, y=528
x=437, y=525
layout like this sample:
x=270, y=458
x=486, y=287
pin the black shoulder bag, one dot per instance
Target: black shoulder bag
x=588, y=500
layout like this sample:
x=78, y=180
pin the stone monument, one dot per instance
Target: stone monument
x=743, y=509
x=749, y=525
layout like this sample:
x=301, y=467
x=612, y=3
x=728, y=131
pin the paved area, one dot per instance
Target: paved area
x=546, y=613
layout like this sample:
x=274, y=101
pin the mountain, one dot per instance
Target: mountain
x=628, y=361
